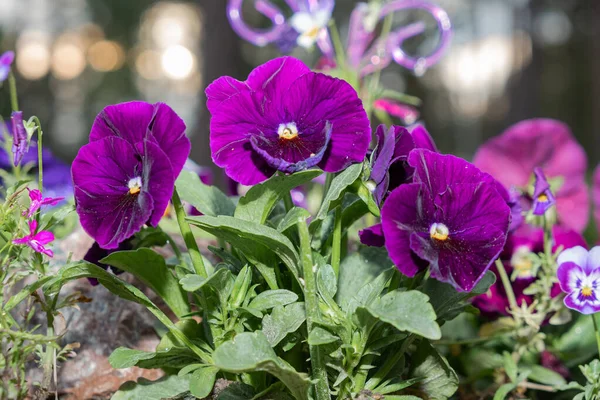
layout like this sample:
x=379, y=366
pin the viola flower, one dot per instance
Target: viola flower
x=543, y=198
x=452, y=217
x=6, y=59
x=119, y=187
x=517, y=263
x=37, y=201
x=20, y=143
x=137, y=121
x=287, y=118
x=579, y=277
x=390, y=168
x=512, y=157
x=310, y=25
x=37, y=240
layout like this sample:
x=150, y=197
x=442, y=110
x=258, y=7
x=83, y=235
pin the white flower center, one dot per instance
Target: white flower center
x=521, y=262
x=135, y=185
x=287, y=131
x=439, y=231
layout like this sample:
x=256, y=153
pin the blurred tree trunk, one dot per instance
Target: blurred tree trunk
x=220, y=55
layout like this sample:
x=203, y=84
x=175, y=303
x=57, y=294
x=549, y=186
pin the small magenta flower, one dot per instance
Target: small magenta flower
x=543, y=198
x=286, y=118
x=37, y=240
x=549, y=144
x=452, y=217
x=37, y=201
x=6, y=60
x=20, y=143
x=406, y=113
x=579, y=277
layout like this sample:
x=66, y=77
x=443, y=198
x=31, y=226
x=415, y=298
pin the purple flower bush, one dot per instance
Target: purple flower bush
x=341, y=262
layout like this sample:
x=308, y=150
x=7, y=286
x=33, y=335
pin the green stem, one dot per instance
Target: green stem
x=173, y=246
x=40, y=163
x=507, y=285
x=188, y=236
x=336, y=246
x=288, y=202
x=48, y=355
x=390, y=363
x=12, y=84
x=319, y=371
x=594, y=318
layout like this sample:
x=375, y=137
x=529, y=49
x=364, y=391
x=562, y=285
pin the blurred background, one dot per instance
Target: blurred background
x=509, y=60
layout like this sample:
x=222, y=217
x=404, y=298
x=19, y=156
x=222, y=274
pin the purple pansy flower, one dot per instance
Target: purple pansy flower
x=452, y=217
x=515, y=258
x=37, y=201
x=579, y=277
x=37, y=240
x=549, y=144
x=20, y=143
x=543, y=198
x=285, y=117
x=97, y=253
x=125, y=176
x=6, y=59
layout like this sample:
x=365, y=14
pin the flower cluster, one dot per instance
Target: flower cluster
x=124, y=177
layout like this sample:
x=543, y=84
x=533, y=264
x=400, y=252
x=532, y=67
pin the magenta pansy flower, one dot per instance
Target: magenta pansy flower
x=452, y=217
x=37, y=201
x=543, y=198
x=6, y=59
x=37, y=240
x=285, y=117
x=579, y=277
x=20, y=143
x=407, y=114
x=548, y=144
x=125, y=176
x=515, y=258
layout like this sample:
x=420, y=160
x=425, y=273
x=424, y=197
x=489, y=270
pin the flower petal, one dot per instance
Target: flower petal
x=586, y=307
x=577, y=255
x=372, y=236
x=569, y=273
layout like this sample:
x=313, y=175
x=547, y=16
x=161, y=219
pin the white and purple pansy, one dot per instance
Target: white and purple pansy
x=579, y=276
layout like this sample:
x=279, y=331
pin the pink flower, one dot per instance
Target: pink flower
x=407, y=114
x=37, y=240
x=37, y=201
x=512, y=157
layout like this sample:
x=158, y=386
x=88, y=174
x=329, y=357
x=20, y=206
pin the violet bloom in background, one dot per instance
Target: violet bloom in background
x=124, y=177
x=596, y=194
x=20, y=143
x=452, y=218
x=287, y=118
x=516, y=261
x=549, y=144
x=37, y=201
x=579, y=277
x=6, y=60
x=543, y=198
x=37, y=240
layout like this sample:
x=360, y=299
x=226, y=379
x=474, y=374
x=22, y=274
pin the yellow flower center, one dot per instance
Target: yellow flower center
x=586, y=291
x=439, y=231
x=313, y=32
x=135, y=185
x=542, y=198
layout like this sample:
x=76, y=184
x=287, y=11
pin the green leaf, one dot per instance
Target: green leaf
x=25, y=292
x=546, y=376
x=504, y=390
x=448, y=302
x=176, y=357
x=319, y=336
x=367, y=197
x=439, y=379
x=407, y=311
x=258, y=203
x=150, y=268
x=250, y=352
x=510, y=366
x=272, y=298
x=358, y=269
x=221, y=281
x=209, y=200
x=282, y=321
x=293, y=216
x=326, y=281
x=240, y=287
x=339, y=184
x=202, y=381
x=370, y=292
x=259, y=243
x=164, y=388
x=237, y=391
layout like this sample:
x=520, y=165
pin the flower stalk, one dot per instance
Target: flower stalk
x=188, y=236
